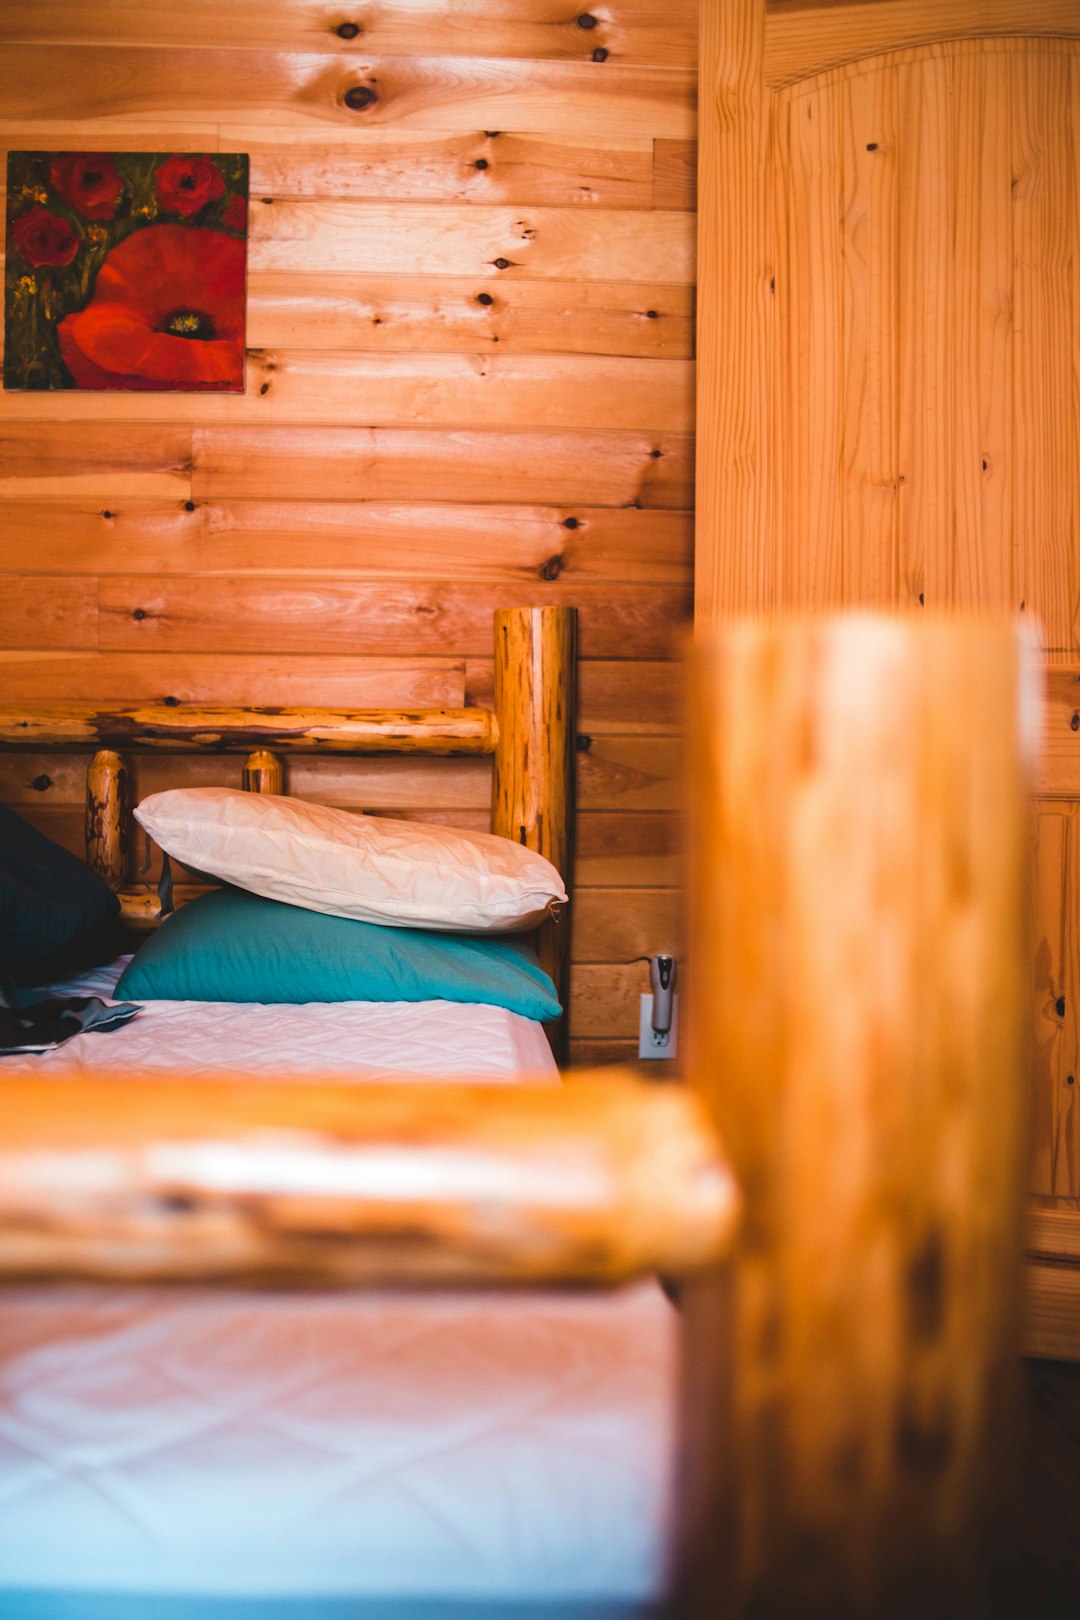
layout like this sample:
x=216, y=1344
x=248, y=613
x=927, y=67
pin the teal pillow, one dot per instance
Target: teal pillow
x=235, y=946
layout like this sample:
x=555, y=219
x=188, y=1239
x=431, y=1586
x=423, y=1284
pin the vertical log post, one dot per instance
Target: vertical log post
x=533, y=783
x=263, y=773
x=107, y=816
x=858, y=938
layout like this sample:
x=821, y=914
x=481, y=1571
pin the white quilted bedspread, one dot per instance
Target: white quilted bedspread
x=348, y=1040
x=244, y=1444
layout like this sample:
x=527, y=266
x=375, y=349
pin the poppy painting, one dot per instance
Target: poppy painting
x=126, y=270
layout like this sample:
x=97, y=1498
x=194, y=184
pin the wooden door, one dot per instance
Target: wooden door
x=889, y=392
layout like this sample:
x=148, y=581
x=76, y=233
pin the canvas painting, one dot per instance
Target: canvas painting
x=126, y=270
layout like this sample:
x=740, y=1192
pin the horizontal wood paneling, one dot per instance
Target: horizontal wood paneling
x=372, y=540
x=436, y=390
x=617, y=697
x=630, y=31
x=416, y=314
x=127, y=84
x=196, y=614
x=402, y=165
x=450, y=239
x=426, y=433
x=43, y=612
x=461, y=464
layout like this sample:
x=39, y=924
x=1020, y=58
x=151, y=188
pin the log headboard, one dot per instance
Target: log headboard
x=530, y=731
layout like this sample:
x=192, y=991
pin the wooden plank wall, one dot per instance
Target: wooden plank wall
x=470, y=383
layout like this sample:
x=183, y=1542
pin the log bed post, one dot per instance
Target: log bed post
x=107, y=818
x=533, y=782
x=263, y=773
x=858, y=805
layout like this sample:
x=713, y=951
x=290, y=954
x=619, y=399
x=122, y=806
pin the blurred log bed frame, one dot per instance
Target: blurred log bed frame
x=849, y=1259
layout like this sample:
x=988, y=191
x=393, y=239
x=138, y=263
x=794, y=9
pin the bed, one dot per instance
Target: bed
x=814, y=1430
x=331, y=1453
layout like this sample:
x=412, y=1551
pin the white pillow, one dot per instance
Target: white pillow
x=405, y=874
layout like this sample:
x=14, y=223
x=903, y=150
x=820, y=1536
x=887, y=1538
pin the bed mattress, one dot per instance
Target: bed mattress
x=386, y=1455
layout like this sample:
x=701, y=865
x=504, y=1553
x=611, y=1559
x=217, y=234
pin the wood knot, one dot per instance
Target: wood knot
x=265, y=389
x=481, y=163
x=484, y=298
x=106, y=514
x=571, y=523
x=359, y=97
x=871, y=146
x=189, y=506
x=652, y=315
x=586, y=20
x=138, y=613
x=583, y=742
x=1059, y=1006
x=552, y=568
x=502, y=264
x=41, y=784
x=1074, y=723
x=348, y=30
x=171, y=702
x=656, y=454
x=600, y=54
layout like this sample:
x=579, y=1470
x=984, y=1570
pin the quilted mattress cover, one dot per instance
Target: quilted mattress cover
x=392, y=1455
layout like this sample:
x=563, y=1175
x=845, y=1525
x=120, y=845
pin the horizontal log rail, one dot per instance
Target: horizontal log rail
x=230, y=730
x=334, y=1184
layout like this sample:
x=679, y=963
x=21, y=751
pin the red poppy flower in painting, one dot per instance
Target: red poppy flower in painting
x=183, y=185
x=43, y=238
x=234, y=217
x=88, y=181
x=167, y=313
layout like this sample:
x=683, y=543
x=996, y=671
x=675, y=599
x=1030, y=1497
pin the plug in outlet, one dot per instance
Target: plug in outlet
x=652, y=1045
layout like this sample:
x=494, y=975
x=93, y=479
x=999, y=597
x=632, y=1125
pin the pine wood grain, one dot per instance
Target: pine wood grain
x=504, y=544
x=128, y=83
x=675, y=174
x=437, y=390
x=180, y=728
x=103, y=461
x=878, y=1134
x=734, y=318
x=459, y=464
x=454, y=315
x=615, y=925
x=638, y=31
x=801, y=40
x=343, y=682
x=41, y=612
x=332, y=616
x=1055, y=1105
x=277, y=1182
x=450, y=239
x=615, y=774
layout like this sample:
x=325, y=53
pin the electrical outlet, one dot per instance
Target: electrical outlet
x=650, y=1044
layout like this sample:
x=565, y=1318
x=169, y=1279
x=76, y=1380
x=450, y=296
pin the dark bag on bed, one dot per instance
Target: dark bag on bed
x=56, y=914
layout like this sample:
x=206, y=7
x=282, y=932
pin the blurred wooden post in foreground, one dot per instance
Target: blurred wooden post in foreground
x=858, y=939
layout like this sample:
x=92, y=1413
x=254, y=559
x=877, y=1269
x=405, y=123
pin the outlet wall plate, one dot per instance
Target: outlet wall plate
x=651, y=1045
